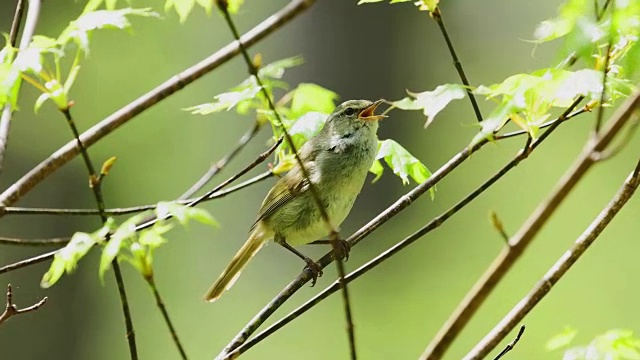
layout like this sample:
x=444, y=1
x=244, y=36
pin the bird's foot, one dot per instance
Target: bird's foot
x=315, y=269
x=341, y=248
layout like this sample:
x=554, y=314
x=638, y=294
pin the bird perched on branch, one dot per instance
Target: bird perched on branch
x=337, y=161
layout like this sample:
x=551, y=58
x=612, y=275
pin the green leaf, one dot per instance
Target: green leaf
x=124, y=233
x=498, y=117
x=184, y=213
x=93, y=5
x=39, y=101
x=67, y=258
x=276, y=69
x=248, y=94
x=225, y=101
x=312, y=98
x=9, y=85
x=307, y=126
x=402, y=163
x=432, y=102
x=562, y=339
x=79, y=29
x=377, y=169
x=182, y=7
x=233, y=6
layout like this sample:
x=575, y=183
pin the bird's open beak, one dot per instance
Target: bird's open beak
x=368, y=114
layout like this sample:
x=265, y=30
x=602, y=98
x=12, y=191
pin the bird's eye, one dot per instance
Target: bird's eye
x=350, y=111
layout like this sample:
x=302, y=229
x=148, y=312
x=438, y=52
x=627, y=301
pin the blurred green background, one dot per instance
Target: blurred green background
x=360, y=52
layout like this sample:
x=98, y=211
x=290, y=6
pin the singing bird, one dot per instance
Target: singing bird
x=337, y=161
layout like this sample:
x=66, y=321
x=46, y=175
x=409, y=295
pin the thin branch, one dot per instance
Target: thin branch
x=15, y=24
x=165, y=314
x=262, y=157
x=333, y=233
x=559, y=269
x=33, y=12
x=437, y=16
x=95, y=183
x=12, y=310
x=519, y=242
x=126, y=313
x=217, y=166
x=432, y=225
x=511, y=345
x=132, y=209
x=28, y=262
x=67, y=152
x=9, y=210
x=401, y=204
x=33, y=242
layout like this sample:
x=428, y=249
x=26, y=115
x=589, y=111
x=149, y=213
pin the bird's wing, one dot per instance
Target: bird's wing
x=286, y=189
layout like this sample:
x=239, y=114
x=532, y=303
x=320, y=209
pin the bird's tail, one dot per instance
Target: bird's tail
x=238, y=263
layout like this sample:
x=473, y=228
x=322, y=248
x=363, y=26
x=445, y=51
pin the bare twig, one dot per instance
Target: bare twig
x=33, y=242
x=12, y=310
x=134, y=209
x=124, y=303
x=437, y=16
x=28, y=262
x=519, y=242
x=15, y=24
x=165, y=314
x=401, y=204
x=67, y=152
x=511, y=345
x=218, y=165
x=33, y=12
x=559, y=269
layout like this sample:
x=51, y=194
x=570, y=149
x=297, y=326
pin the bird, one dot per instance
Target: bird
x=337, y=160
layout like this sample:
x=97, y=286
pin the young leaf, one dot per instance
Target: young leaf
x=247, y=94
x=225, y=101
x=184, y=213
x=306, y=126
x=67, y=258
x=312, y=98
x=402, y=163
x=561, y=340
x=79, y=29
x=125, y=232
x=233, y=6
x=431, y=102
x=377, y=169
x=276, y=69
x=9, y=84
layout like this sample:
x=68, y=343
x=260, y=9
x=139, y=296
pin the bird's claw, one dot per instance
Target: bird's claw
x=342, y=249
x=315, y=269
